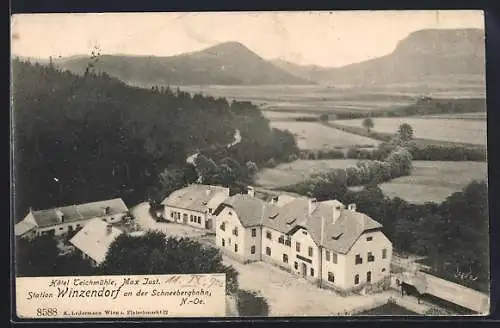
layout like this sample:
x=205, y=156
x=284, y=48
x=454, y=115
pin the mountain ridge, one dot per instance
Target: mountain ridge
x=423, y=53
x=228, y=63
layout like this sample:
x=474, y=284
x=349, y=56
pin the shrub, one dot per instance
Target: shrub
x=251, y=304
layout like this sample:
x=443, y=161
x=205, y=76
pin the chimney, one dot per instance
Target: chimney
x=336, y=212
x=312, y=205
x=107, y=209
x=60, y=215
x=109, y=229
x=352, y=207
x=250, y=191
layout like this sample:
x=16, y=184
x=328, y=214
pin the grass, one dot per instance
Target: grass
x=315, y=136
x=443, y=130
x=434, y=180
x=297, y=171
x=388, y=309
x=431, y=181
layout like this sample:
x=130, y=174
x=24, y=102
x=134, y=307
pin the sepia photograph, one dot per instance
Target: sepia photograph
x=249, y=164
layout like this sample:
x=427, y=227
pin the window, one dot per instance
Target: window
x=296, y=265
x=281, y=239
x=209, y=211
x=334, y=258
x=383, y=269
x=235, y=248
x=384, y=253
x=356, y=279
x=252, y=250
x=358, y=260
x=61, y=228
x=223, y=226
x=268, y=251
x=285, y=258
x=235, y=231
x=230, y=213
x=269, y=235
x=191, y=218
x=371, y=258
x=297, y=247
x=288, y=242
x=310, y=251
x=368, y=276
x=369, y=238
x=304, y=233
x=331, y=277
x=254, y=232
x=312, y=272
x=229, y=241
x=199, y=219
x=172, y=215
x=223, y=242
x=327, y=255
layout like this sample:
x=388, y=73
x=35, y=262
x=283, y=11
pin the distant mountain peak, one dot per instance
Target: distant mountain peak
x=229, y=47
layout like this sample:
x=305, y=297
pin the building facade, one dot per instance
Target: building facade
x=324, y=242
x=62, y=220
x=194, y=205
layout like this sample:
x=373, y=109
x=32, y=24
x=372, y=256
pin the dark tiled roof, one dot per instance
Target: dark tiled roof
x=46, y=218
x=339, y=235
x=194, y=197
x=250, y=210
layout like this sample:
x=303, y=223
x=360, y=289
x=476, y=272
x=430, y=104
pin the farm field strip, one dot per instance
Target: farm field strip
x=311, y=135
x=449, y=130
x=300, y=170
x=429, y=181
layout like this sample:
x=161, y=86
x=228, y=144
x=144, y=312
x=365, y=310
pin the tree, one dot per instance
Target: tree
x=368, y=123
x=404, y=135
x=154, y=253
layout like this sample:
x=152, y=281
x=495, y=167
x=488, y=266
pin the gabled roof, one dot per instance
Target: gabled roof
x=341, y=234
x=194, y=197
x=338, y=235
x=23, y=227
x=94, y=239
x=250, y=210
x=47, y=218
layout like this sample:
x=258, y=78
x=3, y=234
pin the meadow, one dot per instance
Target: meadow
x=429, y=181
x=434, y=180
x=441, y=129
x=290, y=173
x=312, y=135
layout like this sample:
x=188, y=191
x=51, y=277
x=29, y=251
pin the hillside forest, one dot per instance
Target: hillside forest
x=84, y=138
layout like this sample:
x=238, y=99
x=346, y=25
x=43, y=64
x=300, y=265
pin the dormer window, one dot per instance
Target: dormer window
x=107, y=210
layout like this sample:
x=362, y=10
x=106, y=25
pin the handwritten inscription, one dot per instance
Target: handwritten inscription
x=122, y=296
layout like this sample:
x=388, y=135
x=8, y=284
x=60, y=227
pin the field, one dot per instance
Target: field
x=434, y=181
x=448, y=130
x=295, y=172
x=311, y=135
x=460, y=116
x=430, y=180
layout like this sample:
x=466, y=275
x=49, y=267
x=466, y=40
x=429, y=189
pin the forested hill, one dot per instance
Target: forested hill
x=229, y=63
x=86, y=138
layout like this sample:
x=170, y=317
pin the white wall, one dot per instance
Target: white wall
x=362, y=247
x=63, y=228
x=277, y=249
x=250, y=241
x=304, y=238
x=338, y=269
x=172, y=210
x=230, y=218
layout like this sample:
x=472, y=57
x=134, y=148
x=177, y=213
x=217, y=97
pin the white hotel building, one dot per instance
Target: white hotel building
x=324, y=242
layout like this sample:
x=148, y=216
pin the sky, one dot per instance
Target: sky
x=307, y=38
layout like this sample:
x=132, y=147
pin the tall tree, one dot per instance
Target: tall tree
x=368, y=123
